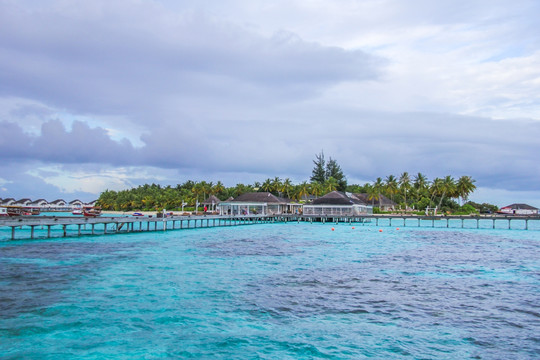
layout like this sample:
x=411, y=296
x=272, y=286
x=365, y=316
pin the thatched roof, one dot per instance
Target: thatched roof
x=212, y=199
x=384, y=201
x=337, y=198
x=260, y=197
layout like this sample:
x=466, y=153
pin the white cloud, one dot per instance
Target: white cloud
x=256, y=89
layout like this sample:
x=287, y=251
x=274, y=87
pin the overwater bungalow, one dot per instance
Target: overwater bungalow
x=264, y=203
x=41, y=203
x=23, y=202
x=76, y=204
x=8, y=201
x=338, y=203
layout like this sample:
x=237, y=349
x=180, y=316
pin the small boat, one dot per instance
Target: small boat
x=3, y=211
x=77, y=212
x=17, y=210
x=138, y=214
x=91, y=211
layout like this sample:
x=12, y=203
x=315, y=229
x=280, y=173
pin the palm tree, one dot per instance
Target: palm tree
x=302, y=190
x=276, y=185
x=377, y=188
x=286, y=187
x=448, y=188
x=197, y=190
x=391, y=186
x=405, y=185
x=267, y=185
x=420, y=184
x=218, y=188
x=436, y=189
x=316, y=189
x=330, y=184
x=464, y=187
x=372, y=193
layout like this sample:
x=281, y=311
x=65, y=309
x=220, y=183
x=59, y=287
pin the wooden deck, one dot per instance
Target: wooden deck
x=30, y=227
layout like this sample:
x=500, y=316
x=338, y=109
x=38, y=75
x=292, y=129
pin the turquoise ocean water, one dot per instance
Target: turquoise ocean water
x=273, y=291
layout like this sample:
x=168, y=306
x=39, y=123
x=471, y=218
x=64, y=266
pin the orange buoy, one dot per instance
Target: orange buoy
x=333, y=229
x=397, y=228
x=353, y=227
x=380, y=230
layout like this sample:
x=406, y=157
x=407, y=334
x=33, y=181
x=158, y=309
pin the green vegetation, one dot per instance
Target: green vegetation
x=407, y=194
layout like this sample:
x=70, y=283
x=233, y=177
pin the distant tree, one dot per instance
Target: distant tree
x=391, y=186
x=330, y=184
x=378, y=188
x=464, y=187
x=318, y=174
x=333, y=170
x=322, y=171
x=286, y=187
x=302, y=190
x=405, y=185
x=267, y=185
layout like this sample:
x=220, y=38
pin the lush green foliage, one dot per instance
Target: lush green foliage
x=406, y=193
x=328, y=174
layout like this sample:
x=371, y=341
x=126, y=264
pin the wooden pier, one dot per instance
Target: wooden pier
x=63, y=226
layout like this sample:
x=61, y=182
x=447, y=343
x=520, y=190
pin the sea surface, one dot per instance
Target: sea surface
x=274, y=291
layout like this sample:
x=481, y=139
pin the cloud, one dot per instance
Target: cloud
x=107, y=94
x=124, y=59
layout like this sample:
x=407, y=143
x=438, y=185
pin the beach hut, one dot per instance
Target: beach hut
x=212, y=202
x=519, y=209
x=264, y=203
x=338, y=203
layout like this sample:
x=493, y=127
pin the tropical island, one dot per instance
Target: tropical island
x=403, y=193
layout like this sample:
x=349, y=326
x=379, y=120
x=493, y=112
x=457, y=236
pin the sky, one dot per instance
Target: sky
x=113, y=94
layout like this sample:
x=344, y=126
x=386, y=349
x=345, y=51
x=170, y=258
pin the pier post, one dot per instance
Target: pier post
x=48, y=231
x=65, y=230
x=13, y=233
x=31, y=231
x=79, y=230
x=93, y=229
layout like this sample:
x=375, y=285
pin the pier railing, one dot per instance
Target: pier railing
x=54, y=226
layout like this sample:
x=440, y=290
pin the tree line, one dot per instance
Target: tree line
x=407, y=192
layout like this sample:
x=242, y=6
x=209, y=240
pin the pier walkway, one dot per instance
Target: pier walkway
x=30, y=227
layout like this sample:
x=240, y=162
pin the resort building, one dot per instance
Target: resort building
x=211, y=203
x=263, y=203
x=23, y=202
x=76, y=204
x=8, y=202
x=338, y=203
x=519, y=209
x=39, y=203
x=383, y=203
